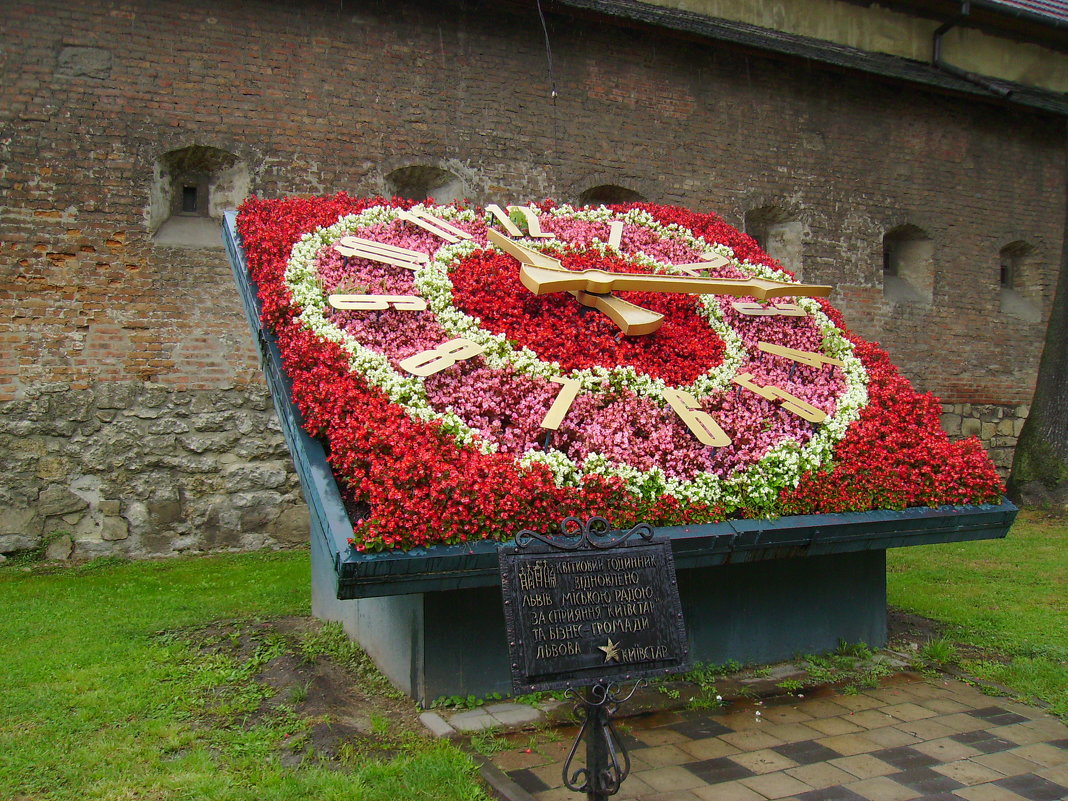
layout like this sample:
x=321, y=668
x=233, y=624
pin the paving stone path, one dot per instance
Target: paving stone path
x=913, y=738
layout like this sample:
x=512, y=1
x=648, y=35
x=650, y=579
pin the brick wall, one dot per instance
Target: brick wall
x=320, y=97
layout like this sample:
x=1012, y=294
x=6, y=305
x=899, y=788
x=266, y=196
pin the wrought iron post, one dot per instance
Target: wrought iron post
x=649, y=636
x=607, y=760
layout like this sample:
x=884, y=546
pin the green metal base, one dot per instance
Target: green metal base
x=453, y=642
x=752, y=590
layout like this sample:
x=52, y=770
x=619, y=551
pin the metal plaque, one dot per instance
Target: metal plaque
x=579, y=615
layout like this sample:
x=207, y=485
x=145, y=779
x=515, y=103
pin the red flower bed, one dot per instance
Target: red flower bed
x=422, y=487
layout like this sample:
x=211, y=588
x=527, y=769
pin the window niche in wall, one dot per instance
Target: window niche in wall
x=191, y=188
x=908, y=269
x=607, y=194
x=419, y=182
x=1020, y=277
x=779, y=234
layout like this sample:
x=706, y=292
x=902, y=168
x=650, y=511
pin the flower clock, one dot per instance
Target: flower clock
x=474, y=372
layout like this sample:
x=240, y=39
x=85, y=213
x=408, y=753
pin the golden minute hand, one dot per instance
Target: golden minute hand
x=542, y=281
x=524, y=254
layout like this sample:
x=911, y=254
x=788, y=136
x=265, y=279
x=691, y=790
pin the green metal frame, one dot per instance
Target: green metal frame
x=453, y=567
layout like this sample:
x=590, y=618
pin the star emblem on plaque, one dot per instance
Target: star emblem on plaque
x=611, y=651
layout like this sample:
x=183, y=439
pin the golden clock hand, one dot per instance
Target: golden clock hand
x=526, y=255
x=542, y=281
x=632, y=320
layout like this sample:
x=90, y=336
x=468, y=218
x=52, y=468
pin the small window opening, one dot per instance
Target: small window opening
x=190, y=189
x=422, y=182
x=1020, y=282
x=779, y=234
x=189, y=199
x=908, y=265
x=608, y=195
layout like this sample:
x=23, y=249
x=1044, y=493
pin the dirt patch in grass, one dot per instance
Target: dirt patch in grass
x=906, y=632
x=910, y=634
x=305, y=678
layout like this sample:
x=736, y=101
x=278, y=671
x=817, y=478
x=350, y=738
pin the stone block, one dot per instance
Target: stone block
x=109, y=507
x=51, y=468
x=9, y=543
x=254, y=476
x=1006, y=427
x=19, y=522
x=168, y=425
x=474, y=720
x=988, y=430
x=84, y=62
x=199, y=443
x=154, y=396
x=951, y=424
x=61, y=548
x=436, y=724
x=292, y=526
x=970, y=428
x=202, y=403
x=114, y=395
x=58, y=500
x=74, y=406
x=114, y=528
x=221, y=527
x=156, y=543
x=164, y=512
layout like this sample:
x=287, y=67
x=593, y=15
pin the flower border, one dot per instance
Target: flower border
x=781, y=466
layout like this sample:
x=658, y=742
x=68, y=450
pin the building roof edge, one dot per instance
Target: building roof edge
x=818, y=50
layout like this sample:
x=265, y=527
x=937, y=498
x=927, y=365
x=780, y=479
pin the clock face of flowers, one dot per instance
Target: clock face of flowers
x=416, y=345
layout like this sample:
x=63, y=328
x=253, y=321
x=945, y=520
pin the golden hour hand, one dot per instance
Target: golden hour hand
x=542, y=281
x=542, y=275
x=630, y=319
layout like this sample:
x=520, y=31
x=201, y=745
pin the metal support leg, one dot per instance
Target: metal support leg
x=607, y=760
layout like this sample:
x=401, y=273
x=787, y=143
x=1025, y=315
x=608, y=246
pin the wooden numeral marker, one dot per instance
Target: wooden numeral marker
x=376, y=251
x=435, y=225
x=712, y=260
x=615, y=233
x=699, y=422
x=377, y=302
x=801, y=356
x=443, y=356
x=509, y=227
x=533, y=225
x=791, y=403
x=530, y=219
x=564, y=398
x=760, y=310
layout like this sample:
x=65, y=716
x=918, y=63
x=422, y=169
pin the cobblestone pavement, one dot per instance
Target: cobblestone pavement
x=913, y=738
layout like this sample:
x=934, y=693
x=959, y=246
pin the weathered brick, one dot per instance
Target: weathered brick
x=317, y=100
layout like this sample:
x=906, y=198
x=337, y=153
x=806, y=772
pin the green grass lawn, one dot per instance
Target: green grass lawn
x=1007, y=596
x=95, y=704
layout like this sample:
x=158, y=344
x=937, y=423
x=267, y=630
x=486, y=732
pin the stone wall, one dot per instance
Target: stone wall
x=318, y=97
x=997, y=426
x=139, y=469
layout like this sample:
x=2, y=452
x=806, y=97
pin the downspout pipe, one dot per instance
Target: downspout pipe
x=939, y=63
